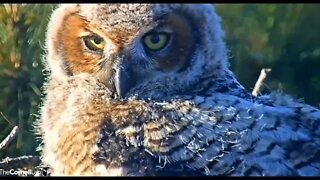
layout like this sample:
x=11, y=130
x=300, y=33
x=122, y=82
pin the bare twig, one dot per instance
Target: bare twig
x=9, y=138
x=20, y=162
x=262, y=76
x=11, y=135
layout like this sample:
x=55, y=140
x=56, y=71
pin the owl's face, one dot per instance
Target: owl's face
x=142, y=50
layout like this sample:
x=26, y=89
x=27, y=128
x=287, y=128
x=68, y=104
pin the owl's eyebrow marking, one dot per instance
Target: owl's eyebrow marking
x=87, y=32
x=95, y=29
x=162, y=21
x=91, y=30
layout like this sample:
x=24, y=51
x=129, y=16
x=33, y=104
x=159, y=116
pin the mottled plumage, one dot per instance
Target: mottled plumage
x=125, y=109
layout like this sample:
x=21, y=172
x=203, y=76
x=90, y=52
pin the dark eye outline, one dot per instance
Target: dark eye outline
x=91, y=44
x=168, y=39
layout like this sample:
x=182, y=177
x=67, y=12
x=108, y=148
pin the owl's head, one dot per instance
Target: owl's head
x=143, y=50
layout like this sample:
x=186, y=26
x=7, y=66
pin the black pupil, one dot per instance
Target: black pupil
x=155, y=38
x=97, y=39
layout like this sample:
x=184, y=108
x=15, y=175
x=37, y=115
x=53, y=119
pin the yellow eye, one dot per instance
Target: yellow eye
x=156, y=41
x=94, y=43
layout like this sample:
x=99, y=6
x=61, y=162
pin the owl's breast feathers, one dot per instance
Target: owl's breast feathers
x=217, y=135
x=188, y=135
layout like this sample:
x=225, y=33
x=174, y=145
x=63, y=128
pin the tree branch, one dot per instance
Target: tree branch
x=10, y=137
x=20, y=162
x=262, y=77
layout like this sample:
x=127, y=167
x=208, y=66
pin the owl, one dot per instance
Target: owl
x=146, y=90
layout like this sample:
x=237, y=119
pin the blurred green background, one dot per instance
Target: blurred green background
x=283, y=37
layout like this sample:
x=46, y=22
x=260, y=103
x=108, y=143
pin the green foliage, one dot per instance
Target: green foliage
x=283, y=37
x=22, y=32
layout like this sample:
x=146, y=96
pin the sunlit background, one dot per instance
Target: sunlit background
x=283, y=37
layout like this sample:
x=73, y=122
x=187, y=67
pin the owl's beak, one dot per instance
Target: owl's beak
x=123, y=79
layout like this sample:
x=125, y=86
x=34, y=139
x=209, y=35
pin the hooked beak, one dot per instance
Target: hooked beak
x=123, y=78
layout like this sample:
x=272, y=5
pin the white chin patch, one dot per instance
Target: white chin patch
x=103, y=171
